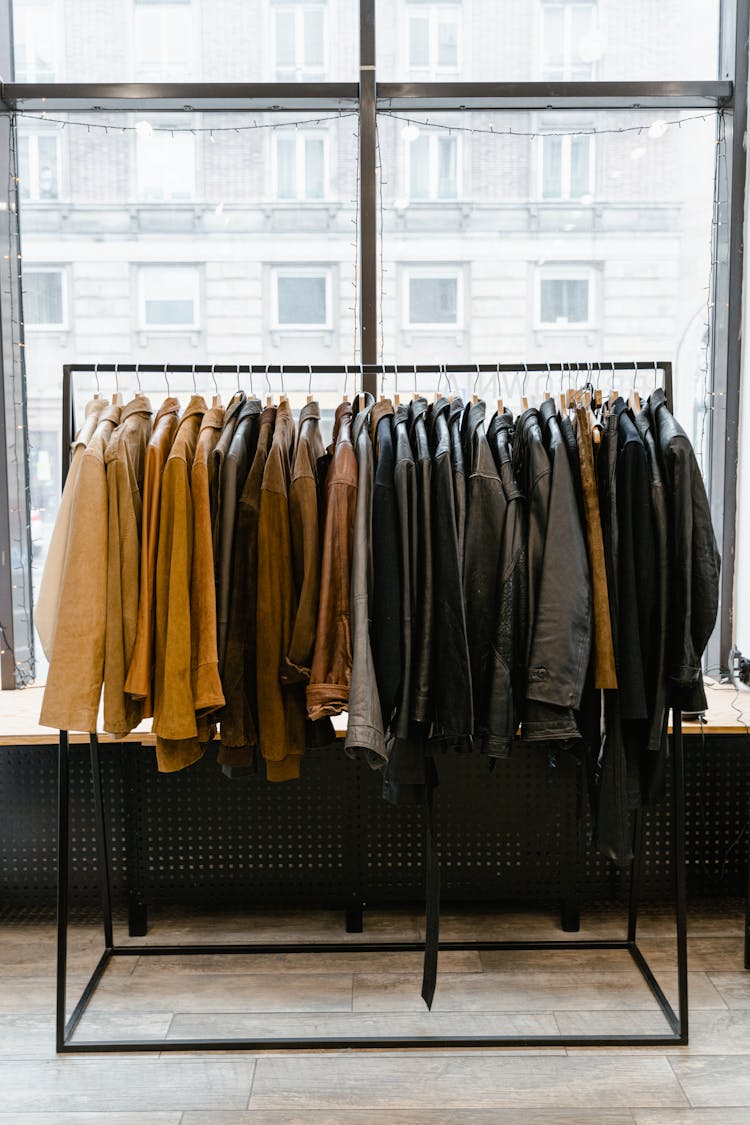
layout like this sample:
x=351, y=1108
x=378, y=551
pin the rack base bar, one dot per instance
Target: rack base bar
x=69, y=1046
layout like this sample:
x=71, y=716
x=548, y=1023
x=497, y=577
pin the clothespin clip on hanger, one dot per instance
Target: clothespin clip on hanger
x=216, y=400
x=524, y=400
x=117, y=397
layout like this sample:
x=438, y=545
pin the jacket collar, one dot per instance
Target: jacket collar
x=310, y=412
x=138, y=405
x=473, y=418
x=361, y=418
x=168, y=407
x=212, y=419
x=657, y=398
x=547, y=410
x=250, y=407
x=235, y=404
x=197, y=405
x=342, y=426
x=268, y=416
x=94, y=406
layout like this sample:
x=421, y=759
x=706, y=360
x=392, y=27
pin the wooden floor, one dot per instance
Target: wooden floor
x=370, y=994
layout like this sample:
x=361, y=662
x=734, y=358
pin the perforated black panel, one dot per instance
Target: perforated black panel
x=330, y=839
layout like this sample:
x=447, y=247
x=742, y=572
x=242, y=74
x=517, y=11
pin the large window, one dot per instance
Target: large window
x=571, y=42
x=433, y=298
x=168, y=298
x=163, y=40
x=566, y=165
x=299, y=41
x=565, y=297
x=37, y=40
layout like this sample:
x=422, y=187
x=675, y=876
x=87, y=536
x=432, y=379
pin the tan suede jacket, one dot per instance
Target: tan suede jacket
x=281, y=708
x=205, y=682
x=45, y=612
x=140, y=678
x=74, y=680
x=328, y=689
x=124, y=459
x=177, y=743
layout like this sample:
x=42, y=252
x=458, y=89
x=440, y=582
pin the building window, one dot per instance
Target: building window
x=165, y=166
x=163, y=41
x=301, y=298
x=44, y=298
x=433, y=298
x=299, y=42
x=35, y=38
x=301, y=165
x=567, y=167
x=38, y=166
x=168, y=297
x=565, y=298
x=433, y=167
x=433, y=38
x=570, y=44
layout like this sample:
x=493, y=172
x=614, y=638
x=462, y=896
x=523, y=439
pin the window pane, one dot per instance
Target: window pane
x=433, y=300
x=447, y=173
x=447, y=43
x=419, y=41
x=42, y=297
x=527, y=40
x=166, y=167
x=163, y=311
x=314, y=41
x=419, y=167
x=168, y=297
x=24, y=166
x=302, y=300
x=314, y=167
x=285, y=38
x=48, y=174
x=564, y=301
x=35, y=34
x=286, y=167
x=552, y=167
x=580, y=151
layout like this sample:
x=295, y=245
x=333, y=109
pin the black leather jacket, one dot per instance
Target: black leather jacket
x=452, y=709
x=560, y=610
x=694, y=559
x=424, y=626
x=455, y=414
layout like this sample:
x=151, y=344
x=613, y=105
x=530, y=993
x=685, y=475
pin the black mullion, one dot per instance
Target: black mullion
x=368, y=233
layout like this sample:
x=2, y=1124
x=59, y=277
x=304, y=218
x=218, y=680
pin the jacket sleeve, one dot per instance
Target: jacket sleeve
x=695, y=579
x=205, y=682
x=636, y=580
x=303, y=515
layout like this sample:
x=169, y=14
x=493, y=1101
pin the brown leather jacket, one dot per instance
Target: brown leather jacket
x=204, y=673
x=76, y=670
x=139, y=682
x=177, y=743
x=124, y=459
x=281, y=710
x=328, y=689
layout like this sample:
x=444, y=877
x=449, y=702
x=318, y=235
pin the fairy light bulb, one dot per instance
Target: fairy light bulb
x=410, y=132
x=144, y=129
x=657, y=129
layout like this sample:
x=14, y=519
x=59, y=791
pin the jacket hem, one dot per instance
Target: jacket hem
x=326, y=699
x=285, y=769
x=362, y=737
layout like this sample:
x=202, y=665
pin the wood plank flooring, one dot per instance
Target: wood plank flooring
x=352, y=995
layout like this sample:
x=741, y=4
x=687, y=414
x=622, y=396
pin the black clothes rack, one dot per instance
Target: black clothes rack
x=66, y=1028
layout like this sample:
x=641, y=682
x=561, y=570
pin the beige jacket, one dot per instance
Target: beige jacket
x=45, y=613
x=74, y=680
x=124, y=459
x=140, y=679
x=177, y=743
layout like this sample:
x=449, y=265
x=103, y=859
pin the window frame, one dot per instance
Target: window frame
x=566, y=164
x=140, y=75
x=142, y=325
x=56, y=21
x=437, y=271
x=307, y=270
x=563, y=271
x=567, y=7
x=64, y=324
x=33, y=136
x=138, y=162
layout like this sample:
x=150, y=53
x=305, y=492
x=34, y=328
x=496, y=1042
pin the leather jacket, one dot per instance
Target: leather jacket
x=385, y=610
x=485, y=523
x=455, y=414
x=237, y=462
x=365, y=727
x=559, y=584
x=512, y=609
x=425, y=591
x=694, y=559
x=452, y=704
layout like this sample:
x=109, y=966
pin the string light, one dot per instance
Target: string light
x=146, y=129
x=660, y=127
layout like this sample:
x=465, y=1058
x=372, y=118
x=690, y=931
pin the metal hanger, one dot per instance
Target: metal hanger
x=98, y=392
x=499, y=390
x=216, y=400
x=309, y=383
x=117, y=397
x=138, y=378
x=269, y=395
x=166, y=380
x=524, y=400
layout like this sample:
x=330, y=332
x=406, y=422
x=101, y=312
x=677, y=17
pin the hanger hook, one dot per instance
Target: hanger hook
x=382, y=382
x=546, y=382
x=117, y=377
x=309, y=380
x=96, y=376
x=138, y=378
x=656, y=373
x=268, y=381
x=415, y=380
x=213, y=377
x=251, y=377
x=525, y=377
x=166, y=379
x=195, y=388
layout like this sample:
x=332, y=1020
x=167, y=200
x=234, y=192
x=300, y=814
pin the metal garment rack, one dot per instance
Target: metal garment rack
x=65, y=1028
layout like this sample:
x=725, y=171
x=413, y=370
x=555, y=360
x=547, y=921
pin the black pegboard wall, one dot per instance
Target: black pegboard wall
x=329, y=839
